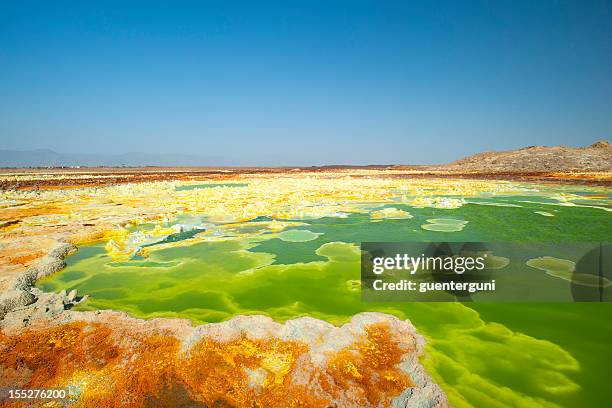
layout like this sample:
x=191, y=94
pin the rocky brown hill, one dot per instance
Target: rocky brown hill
x=596, y=157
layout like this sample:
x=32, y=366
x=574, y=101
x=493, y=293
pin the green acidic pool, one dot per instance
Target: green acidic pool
x=483, y=354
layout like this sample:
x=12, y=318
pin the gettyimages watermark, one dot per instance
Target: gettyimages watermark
x=486, y=271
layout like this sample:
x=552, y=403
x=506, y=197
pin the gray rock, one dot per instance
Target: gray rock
x=62, y=250
x=26, y=280
x=49, y=265
x=14, y=299
x=71, y=296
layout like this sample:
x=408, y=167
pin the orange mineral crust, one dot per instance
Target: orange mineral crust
x=109, y=359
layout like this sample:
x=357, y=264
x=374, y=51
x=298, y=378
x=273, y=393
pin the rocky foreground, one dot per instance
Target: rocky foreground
x=109, y=359
x=106, y=358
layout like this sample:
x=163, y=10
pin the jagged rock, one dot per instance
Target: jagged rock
x=20, y=295
x=26, y=280
x=62, y=250
x=71, y=296
x=14, y=299
x=601, y=144
x=49, y=265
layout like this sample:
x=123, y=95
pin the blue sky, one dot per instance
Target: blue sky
x=304, y=83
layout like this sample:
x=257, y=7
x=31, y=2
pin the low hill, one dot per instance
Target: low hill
x=596, y=157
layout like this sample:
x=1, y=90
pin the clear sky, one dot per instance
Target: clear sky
x=304, y=82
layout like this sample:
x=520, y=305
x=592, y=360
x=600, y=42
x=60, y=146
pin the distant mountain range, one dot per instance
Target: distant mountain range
x=50, y=158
